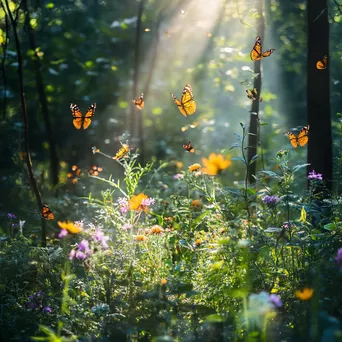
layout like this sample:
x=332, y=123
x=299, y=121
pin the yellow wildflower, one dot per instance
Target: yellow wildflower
x=304, y=294
x=136, y=202
x=70, y=227
x=163, y=281
x=122, y=152
x=140, y=238
x=156, y=230
x=194, y=167
x=215, y=164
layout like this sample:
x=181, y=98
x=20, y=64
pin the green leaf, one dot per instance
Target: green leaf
x=215, y=318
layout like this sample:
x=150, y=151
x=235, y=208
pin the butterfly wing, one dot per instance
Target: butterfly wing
x=189, y=148
x=47, y=213
x=293, y=139
x=267, y=53
x=139, y=102
x=303, y=136
x=252, y=93
x=187, y=100
x=256, y=51
x=87, y=117
x=77, y=114
x=179, y=105
x=322, y=64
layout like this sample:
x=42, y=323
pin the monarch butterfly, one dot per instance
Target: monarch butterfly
x=187, y=104
x=47, y=213
x=301, y=139
x=82, y=121
x=189, y=148
x=73, y=175
x=322, y=64
x=95, y=170
x=252, y=94
x=122, y=152
x=139, y=102
x=70, y=227
x=256, y=53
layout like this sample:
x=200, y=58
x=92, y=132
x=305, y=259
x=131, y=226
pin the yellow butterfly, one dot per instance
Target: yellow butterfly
x=82, y=121
x=139, y=102
x=256, y=53
x=187, y=105
x=301, y=139
x=322, y=64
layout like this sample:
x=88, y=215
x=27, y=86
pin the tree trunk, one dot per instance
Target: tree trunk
x=318, y=92
x=253, y=136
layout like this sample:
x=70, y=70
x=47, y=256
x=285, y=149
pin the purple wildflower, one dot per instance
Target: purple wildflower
x=80, y=255
x=83, y=246
x=72, y=254
x=11, y=216
x=99, y=236
x=127, y=226
x=47, y=309
x=62, y=233
x=148, y=201
x=338, y=258
x=276, y=301
x=178, y=176
x=124, y=204
x=314, y=175
x=271, y=200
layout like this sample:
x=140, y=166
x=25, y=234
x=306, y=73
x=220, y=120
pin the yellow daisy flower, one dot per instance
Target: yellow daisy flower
x=156, y=230
x=194, y=167
x=140, y=238
x=70, y=227
x=304, y=294
x=215, y=164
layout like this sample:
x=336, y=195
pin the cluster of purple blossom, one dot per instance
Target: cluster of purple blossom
x=125, y=206
x=82, y=250
x=35, y=302
x=271, y=200
x=338, y=258
x=314, y=175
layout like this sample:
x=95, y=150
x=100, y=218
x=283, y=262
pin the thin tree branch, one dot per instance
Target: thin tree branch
x=54, y=166
x=3, y=61
x=32, y=178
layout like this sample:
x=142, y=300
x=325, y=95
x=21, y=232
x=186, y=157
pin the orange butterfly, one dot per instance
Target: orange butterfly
x=82, y=121
x=301, y=139
x=187, y=105
x=256, y=53
x=189, y=148
x=139, y=102
x=76, y=171
x=95, y=170
x=47, y=213
x=252, y=94
x=322, y=64
x=124, y=150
